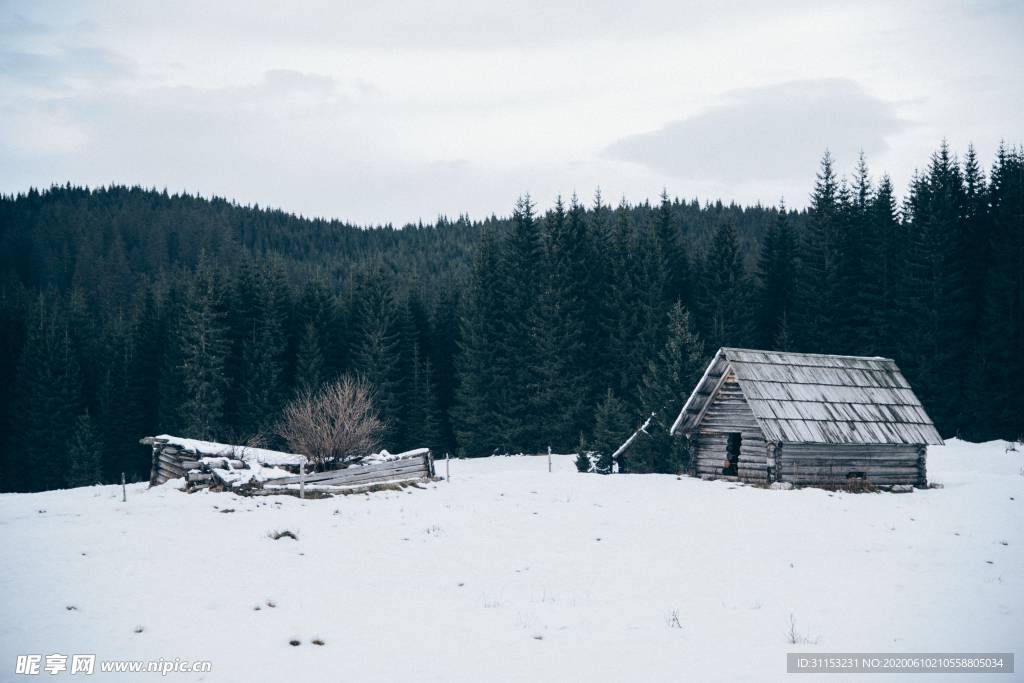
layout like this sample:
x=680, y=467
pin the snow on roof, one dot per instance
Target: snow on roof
x=260, y=455
x=817, y=398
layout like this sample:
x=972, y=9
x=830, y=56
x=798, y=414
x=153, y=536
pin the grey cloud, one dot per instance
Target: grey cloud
x=776, y=132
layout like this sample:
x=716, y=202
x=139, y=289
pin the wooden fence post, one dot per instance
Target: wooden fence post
x=447, y=469
x=124, y=491
x=302, y=481
x=549, y=458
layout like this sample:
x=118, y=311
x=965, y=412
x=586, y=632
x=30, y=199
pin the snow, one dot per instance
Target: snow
x=384, y=456
x=256, y=472
x=260, y=455
x=509, y=573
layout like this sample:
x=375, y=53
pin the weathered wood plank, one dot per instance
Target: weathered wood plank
x=171, y=470
x=799, y=449
x=842, y=472
x=376, y=478
x=169, y=459
x=850, y=465
x=345, y=478
x=415, y=461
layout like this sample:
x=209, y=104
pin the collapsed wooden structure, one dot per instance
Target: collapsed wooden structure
x=259, y=470
x=767, y=416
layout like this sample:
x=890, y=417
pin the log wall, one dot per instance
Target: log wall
x=825, y=464
x=727, y=414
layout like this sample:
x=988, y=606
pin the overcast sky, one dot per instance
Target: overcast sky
x=394, y=111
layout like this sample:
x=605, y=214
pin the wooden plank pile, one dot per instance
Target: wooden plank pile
x=207, y=464
x=417, y=464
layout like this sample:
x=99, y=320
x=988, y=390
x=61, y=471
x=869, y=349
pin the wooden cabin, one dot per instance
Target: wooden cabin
x=768, y=416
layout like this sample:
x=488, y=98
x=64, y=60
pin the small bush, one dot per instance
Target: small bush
x=283, y=534
x=294, y=643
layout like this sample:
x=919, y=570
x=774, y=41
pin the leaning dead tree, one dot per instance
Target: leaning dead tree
x=334, y=424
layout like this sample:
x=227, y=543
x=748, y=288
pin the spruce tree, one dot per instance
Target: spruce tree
x=480, y=365
x=819, y=284
x=623, y=322
x=376, y=355
x=204, y=347
x=309, y=364
x=317, y=307
x=171, y=388
x=1004, y=313
x=447, y=335
x=523, y=276
x=612, y=426
x=776, y=288
x=264, y=348
x=148, y=339
x=677, y=286
x=84, y=454
x=935, y=346
x=725, y=291
x=672, y=376
x=884, y=266
x=853, y=319
x=422, y=430
x=563, y=370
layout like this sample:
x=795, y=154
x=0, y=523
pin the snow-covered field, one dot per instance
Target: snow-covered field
x=509, y=573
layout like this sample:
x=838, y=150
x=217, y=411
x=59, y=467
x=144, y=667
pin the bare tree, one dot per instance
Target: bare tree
x=334, y=424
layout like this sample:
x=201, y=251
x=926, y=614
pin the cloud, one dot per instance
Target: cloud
x=774, y=132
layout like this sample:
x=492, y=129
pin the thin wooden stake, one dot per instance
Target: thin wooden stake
x=549, y=458
x=447, y=470
x=302, y=481
x=124, y=491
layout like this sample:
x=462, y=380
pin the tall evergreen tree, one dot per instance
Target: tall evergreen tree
x=673, y=375
x=480, y=364
x=612, y=426
x=935, y=348
x=148, y=339
x=884, y=260
x=776, y=272
x=523, y=278
x=677, y=285
x=204, y=346
x=563, y=371
x=422, y=430
x=309, y=364
x=84, y=454
x=264, y=350
x=853, y=319
x=1004, y=313
x=725, y=295
x=376, y=344
x=318, y=307
x=819, y=284
x=447, y=336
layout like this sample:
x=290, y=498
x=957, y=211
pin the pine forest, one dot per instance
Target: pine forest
x=128, y=312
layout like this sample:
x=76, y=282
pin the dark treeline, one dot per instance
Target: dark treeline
x=129, y=312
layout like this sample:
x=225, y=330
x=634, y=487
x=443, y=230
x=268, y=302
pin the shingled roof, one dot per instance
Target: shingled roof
x=814, y=398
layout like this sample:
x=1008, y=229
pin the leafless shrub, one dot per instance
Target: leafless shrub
x=334, y=424
x=243, y=444
x=798, y=638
